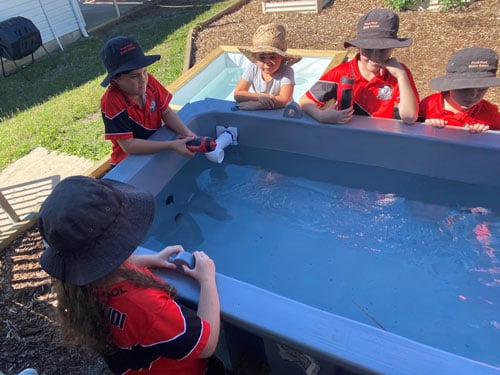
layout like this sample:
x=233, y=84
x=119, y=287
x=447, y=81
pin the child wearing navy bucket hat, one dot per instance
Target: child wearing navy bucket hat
x=135, y=105
x=381, y=85
x=108, y=299
x=470, y=72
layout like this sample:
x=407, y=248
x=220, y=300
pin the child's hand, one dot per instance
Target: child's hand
x=157, y=260
x=333, y=116
x=250, y=105
x=179, y=146
x=477, y=128
x=189, y=133
x=264, y=102
x=394, y=67
x=161, y=258
x=436, y=122
x=267, y=101
x=204, y=269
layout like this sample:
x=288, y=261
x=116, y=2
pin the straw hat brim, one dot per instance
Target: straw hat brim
x=250, y=53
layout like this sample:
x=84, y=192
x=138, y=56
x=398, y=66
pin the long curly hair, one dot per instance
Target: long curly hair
x=82, y=311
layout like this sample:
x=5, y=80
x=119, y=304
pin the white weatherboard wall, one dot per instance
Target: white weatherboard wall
x=57, y=20
x=303, y=6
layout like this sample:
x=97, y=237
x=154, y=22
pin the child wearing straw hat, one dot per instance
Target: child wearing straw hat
x=269, y=81
x=470, y=72
x=108, y=299
x=383, y=87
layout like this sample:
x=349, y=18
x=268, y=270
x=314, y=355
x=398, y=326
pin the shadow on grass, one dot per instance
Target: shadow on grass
x=150, y=25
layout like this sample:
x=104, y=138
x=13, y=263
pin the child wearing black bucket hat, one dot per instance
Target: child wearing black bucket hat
x=108, y=300
x=135, y=104
x=268, y=82
x=470, y=72
x=382, y=86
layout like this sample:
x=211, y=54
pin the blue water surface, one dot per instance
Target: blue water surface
x=412, y=255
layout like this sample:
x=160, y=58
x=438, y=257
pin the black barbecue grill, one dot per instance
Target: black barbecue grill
x=19, y=38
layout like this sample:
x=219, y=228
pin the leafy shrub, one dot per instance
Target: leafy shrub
x=399, y=4
x=455, y=4
x=445, y=4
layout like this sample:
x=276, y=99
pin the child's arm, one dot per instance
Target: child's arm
x=157, y=260
x=408, y=102
x=268, y=101
x=241, y=93
x=285, y=96
x=147, y=146
x=204, y=273
x=208, y=304
x=252, y=100
x=172, y=120
x=329, y=115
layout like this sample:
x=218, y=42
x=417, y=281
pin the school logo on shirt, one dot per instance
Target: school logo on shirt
x=384, y=92
x=152, y=107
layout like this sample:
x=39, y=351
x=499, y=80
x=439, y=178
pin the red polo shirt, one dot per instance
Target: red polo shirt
x=154, y=334
x=124, y=119
x=484, y=112
x=376, y=97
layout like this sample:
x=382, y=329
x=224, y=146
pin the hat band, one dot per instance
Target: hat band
x=471, y=74
x=376, y=34
x=134, y=55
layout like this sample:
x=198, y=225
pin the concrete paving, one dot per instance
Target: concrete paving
x=97, y=13
x=28, y=181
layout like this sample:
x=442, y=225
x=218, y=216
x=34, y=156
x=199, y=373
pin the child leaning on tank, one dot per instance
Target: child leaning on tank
x=135, y=104
x=382, y=87
x=268, y=82
x=470, y=72
x=108, y=298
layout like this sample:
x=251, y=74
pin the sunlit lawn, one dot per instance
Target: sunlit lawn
x=54, y=103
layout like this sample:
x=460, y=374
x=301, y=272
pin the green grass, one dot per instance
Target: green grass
x=54, y=103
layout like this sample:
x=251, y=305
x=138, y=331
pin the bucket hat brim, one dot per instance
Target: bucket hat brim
x=446, y=83
x=379, y=43
x=112, y=249
x=131, y=65
x=250, y=53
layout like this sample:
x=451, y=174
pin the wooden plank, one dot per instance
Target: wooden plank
x=8, y=236
x=100, y=168
x=5, y=205
x=195, y=69
x=338, y=58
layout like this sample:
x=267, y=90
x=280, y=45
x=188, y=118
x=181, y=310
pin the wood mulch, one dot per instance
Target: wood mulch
x=436, y=35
